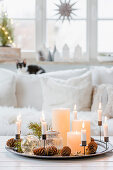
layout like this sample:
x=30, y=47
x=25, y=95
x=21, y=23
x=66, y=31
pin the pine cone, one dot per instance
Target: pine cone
x=92, y=147
x=11, y=143
x=40, y=151
x=66, y=151
x=92, y=139
x=51, y=151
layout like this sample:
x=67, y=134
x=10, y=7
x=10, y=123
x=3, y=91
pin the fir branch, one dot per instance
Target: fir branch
x=36, y=129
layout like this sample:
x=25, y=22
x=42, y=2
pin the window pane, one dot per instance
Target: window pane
x=20, y=8
x=105, y=36
x=71, y=33
x=25, y=34
x=80, y=5
x=105, y=8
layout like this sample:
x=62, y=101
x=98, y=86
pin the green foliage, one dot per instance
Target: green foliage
x=18, y=146
x=36, y=129
x=6, y=30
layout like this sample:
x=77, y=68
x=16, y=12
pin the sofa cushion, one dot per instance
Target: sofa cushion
x=102, y=75
x=66, y=93
x=29, y=91
x=7, y=88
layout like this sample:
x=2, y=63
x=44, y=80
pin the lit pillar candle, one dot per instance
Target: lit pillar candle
x=83, y=133
x=75, y=113
x=77, y=126
x=105, y=128
x=18, y=123
x=74, y=141
x=61, y=122
x=100, y=112
x=43, y=124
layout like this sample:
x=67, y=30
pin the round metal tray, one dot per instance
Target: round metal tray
x=100, y=151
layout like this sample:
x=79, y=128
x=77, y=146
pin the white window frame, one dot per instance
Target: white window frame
x=91, y=27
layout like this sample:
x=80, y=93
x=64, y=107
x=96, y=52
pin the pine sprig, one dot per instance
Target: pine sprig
x=36, y=129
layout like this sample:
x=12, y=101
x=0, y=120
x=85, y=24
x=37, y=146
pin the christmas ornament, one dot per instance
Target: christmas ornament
x=66, y=10
x=40, y=151
x=11, y=142
x=66, y=151
x=51, y=151
x=92, y=147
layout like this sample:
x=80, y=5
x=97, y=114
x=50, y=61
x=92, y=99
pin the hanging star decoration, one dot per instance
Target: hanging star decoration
x=66, y=10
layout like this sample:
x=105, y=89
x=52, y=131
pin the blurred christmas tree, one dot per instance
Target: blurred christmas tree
x=6, y=30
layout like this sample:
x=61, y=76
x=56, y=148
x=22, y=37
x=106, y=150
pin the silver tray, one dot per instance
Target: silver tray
x=100, y=151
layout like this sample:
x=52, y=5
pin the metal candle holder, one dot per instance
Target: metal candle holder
x=106, y=139
x=44, y=139
x=100, y=124
x=84, y=145
x=17, y=136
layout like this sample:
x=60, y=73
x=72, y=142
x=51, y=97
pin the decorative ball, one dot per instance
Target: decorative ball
x=29, y=143
x=92, y=147
x=51, y=151
x=66, y=151
x=11, y=142
x=40, y=151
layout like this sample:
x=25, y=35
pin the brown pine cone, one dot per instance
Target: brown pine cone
x=92, y=139
x=11, y=143
x=92, y=147
x=40, y=151
x=51, y=151
x=66, y=151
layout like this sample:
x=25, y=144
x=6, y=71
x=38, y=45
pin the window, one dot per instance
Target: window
x=105, y=27
x=23, y=14
x=73, y=33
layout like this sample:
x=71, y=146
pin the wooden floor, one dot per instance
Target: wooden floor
x=9, y=161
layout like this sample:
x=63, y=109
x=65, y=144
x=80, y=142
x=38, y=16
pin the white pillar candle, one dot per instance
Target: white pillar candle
x=83, y=133
x=43, y=124
x=99, y=113
x=18, y=123
x=61, y=122
x=74, y=141
x=75, y=113
x=105, y=128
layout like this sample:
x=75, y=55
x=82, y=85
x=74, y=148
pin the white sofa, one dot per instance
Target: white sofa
x=22, y=94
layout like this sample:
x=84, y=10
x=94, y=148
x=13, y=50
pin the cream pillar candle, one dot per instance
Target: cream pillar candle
x=100, y=112
x=75, y=113
x=61, y=122
x=77, y=126
x=74, y=141
x=105, y=128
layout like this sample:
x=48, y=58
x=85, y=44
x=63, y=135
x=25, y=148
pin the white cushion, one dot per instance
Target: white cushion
x=66, y=93
x=29, y=91
x=102, y=75
x=7, y=88
x=104, y=94
x=66, y=74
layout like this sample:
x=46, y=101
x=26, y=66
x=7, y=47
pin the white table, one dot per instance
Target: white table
x=10, y=161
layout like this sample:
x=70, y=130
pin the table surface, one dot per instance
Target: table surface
x=13, y=162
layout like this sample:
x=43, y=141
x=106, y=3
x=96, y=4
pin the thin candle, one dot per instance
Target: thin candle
x=44, y=124
x=100, y=112
x=105, y=128
x=83, y=133
x=18, y=123
x=75, y=112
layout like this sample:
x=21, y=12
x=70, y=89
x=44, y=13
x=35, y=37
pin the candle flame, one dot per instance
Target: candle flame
x=19, y=117
x=100, y=106
x=83, y=125
x=75, y=107
x=106, y=119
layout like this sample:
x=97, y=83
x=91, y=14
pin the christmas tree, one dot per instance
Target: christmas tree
x=6, y=30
